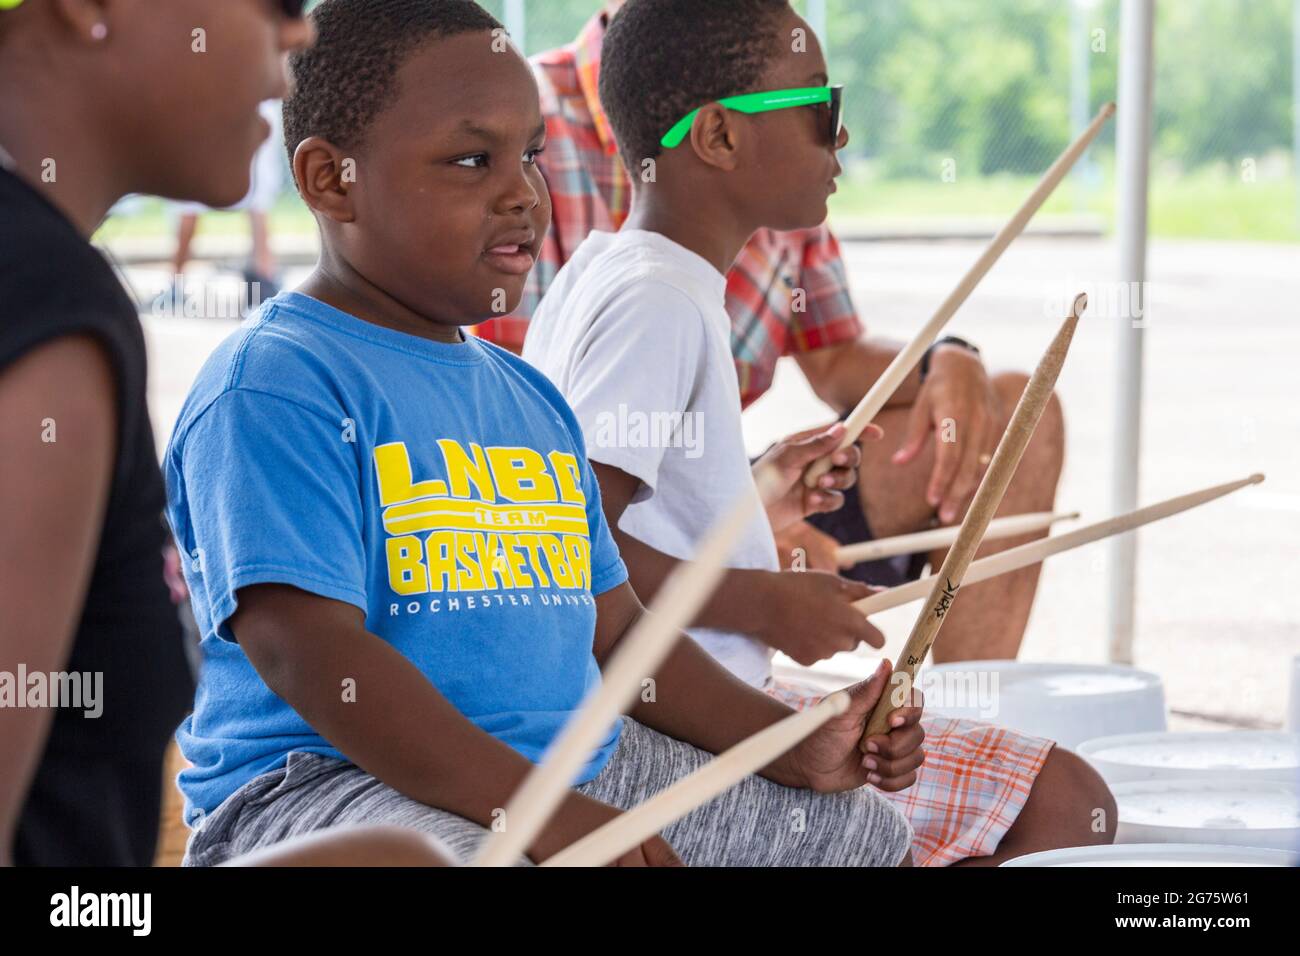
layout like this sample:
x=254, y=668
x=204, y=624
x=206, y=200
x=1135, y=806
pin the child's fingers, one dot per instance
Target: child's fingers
x=822, y=500
x=850, y=458
x=821, y=431
x=799, y=452
x=658, y=852
x=864, y=694
x=893, y=784
x=901, y=717
x=884, y=769
x=908, y=734
x=838, y=478
x=864, y=632
x=801, y=449
x=871, y=636
x=896, y=743
x=910, y=713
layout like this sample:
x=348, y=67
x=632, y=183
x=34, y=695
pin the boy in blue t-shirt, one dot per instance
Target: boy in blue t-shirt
x=397, y=551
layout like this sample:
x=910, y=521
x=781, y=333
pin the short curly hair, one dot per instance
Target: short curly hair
x=663, y=58
x=348, y=77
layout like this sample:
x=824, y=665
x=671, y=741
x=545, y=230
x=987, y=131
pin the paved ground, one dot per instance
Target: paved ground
x=1219, y=612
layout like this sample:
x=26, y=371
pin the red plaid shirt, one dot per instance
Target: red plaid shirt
x=590, y=190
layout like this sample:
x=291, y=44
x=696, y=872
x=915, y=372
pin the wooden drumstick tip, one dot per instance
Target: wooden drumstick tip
x=1257, y=477
x=1107, y=110
x=1080, y=303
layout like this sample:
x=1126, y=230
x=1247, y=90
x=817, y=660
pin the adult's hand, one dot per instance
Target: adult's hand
x=958, y=403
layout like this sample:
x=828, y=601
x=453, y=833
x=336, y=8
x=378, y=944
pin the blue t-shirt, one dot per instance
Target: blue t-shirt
x=444, y=489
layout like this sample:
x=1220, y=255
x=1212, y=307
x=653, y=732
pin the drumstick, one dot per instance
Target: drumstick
x=727, y=769
x=637, y=656
x=992, y=487
x=850, y=554
x=1013, y=559
x=904, y=361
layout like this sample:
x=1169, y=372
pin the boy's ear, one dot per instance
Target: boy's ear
x=715, y=137
x=325, y=177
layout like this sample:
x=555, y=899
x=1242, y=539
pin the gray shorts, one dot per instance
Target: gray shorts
x=755, y=823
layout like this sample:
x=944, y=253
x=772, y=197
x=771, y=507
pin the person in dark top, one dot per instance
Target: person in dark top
x=94, y=797
x=93, y=675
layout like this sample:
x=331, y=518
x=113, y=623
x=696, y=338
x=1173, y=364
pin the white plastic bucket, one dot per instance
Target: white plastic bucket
x=1158, y=854
x=1240, y=755
x=1209, y=809
x=1068, y=703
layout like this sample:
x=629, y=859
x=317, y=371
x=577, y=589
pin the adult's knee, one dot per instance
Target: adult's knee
x=1082, y=799
x=1047, y=449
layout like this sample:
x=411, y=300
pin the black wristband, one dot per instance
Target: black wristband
x=946, y=340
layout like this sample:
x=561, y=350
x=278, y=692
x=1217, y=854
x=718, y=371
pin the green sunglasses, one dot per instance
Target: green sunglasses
x=765, y=102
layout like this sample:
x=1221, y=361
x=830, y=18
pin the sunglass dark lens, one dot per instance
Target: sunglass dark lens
x=293, y=9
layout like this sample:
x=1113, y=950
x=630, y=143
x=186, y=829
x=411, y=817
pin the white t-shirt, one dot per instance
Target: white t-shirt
x=634, y=332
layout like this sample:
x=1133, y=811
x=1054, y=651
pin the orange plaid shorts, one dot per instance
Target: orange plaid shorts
x=972, y=786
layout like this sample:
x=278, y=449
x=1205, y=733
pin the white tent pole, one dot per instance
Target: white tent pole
x=1133, y=147
x=517, y=24
x=1295, y=102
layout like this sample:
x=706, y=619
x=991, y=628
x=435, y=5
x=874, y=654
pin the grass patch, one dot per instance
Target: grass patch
x=144, y=217
x=1208, y=204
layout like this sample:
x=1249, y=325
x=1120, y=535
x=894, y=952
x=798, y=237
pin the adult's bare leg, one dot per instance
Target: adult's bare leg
x=1068, y=805
x=185, y=230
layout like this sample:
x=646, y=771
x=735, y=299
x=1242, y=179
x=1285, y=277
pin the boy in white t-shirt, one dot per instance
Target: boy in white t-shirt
x=634, y=332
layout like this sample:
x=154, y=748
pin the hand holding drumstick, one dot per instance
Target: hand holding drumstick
x=820, y=748
x=839, y=756
x=786, y=602
x=791, y=456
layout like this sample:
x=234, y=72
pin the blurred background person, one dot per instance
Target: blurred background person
x=268, y=180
